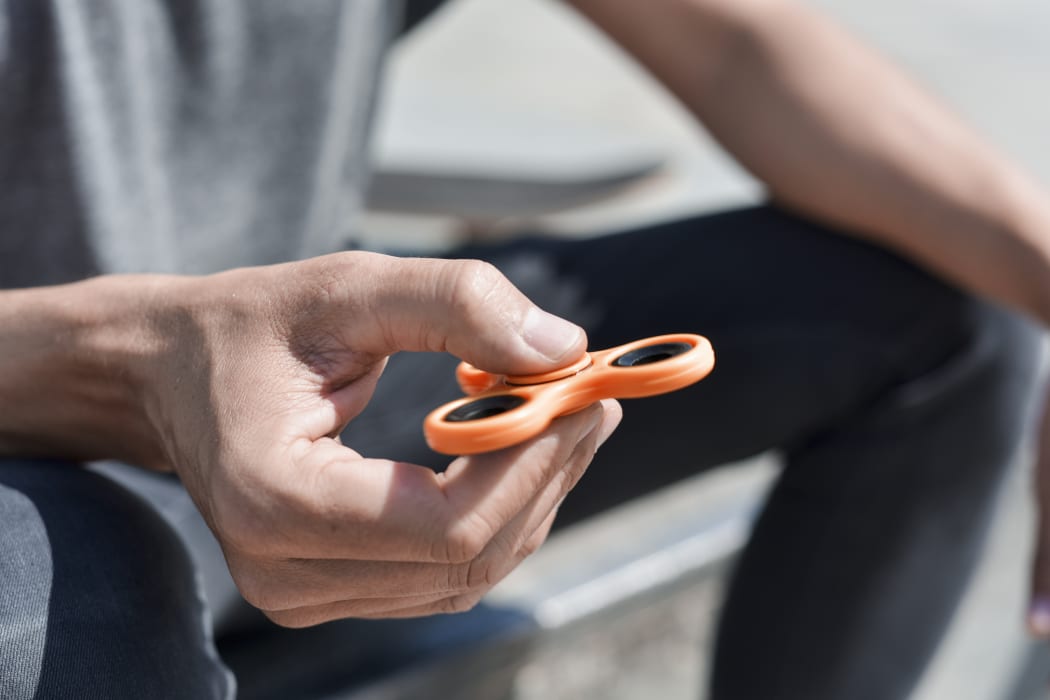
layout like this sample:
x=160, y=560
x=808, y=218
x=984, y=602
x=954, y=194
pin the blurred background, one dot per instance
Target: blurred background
x=563, y=132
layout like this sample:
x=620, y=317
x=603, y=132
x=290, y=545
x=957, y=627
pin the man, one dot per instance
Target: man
x=196, y=137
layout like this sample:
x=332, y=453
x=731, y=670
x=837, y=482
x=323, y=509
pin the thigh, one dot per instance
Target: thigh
x=809, y=328
x=896, y=398
x=97, y=596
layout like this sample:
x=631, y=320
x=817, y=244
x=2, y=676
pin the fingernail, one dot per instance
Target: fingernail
x=1039, y=616
x=552, y=337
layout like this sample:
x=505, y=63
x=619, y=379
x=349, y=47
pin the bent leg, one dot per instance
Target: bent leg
x=898, y=402
x=97, y=595
x=857, y=564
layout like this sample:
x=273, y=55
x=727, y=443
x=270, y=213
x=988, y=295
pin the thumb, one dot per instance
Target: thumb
x=465, y=307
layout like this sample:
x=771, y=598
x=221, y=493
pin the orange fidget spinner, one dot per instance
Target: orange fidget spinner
x=501, y=411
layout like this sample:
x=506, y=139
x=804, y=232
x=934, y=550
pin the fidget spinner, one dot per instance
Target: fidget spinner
x=500, y=411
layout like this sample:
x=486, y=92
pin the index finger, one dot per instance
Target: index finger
x=342, y=506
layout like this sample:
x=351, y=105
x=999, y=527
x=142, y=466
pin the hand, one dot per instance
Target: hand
x=262, y=370
x=1038, y=612
x=1039, y=607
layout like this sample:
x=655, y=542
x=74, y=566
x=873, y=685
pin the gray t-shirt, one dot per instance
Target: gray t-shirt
x=182, y=135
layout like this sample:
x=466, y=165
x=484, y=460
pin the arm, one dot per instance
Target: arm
x=241, y=382
x=836, y=132
x=73, y=364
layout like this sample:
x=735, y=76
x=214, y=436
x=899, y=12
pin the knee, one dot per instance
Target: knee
x=118, y=612
x=1009, y=351
x=986, y=355
x=968, y=387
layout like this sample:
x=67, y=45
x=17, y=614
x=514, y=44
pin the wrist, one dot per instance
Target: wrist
x=75, y=369
x=1026, y=207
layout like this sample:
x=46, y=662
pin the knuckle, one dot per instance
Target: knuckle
x=457, y=577
x=467, y=539
x=290, y=619
x=327, y=276
x=460, y=603
x=260, y=592
x=473, y=283
x=479, y=574
x=465, y=544
x=531, y=546
x=576, y=469
x=576, y=465
x=561, y=485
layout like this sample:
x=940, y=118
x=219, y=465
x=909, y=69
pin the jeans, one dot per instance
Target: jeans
x=97, y=595
x=897, y=402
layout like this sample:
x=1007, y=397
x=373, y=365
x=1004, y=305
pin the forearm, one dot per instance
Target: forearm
x=72, y=361
x=836, y=132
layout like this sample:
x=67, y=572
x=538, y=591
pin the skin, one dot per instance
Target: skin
x=240, y=381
